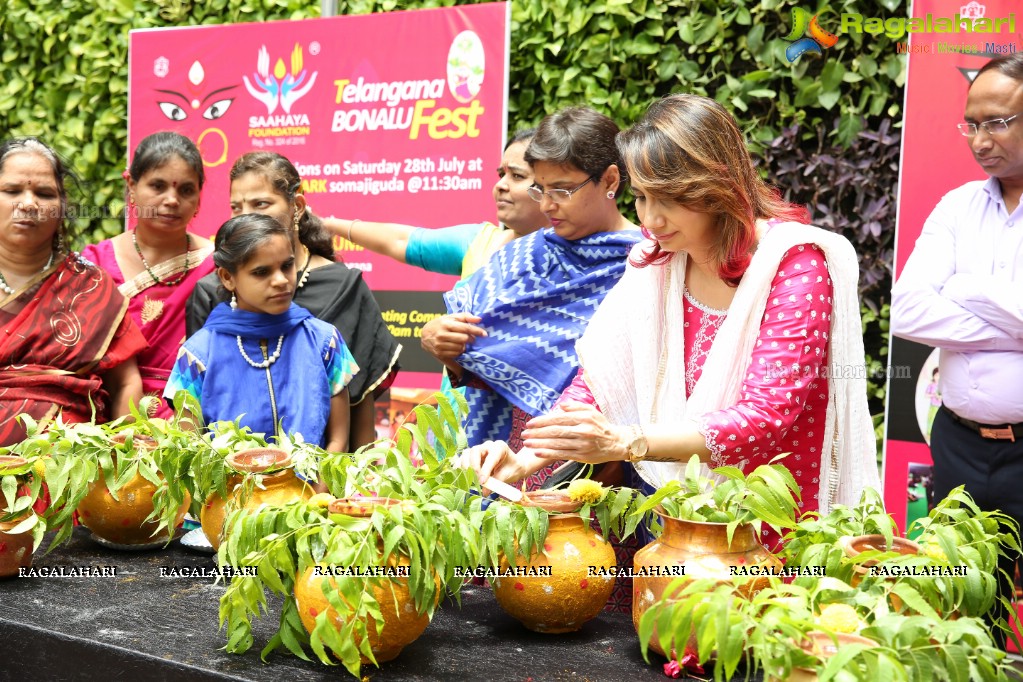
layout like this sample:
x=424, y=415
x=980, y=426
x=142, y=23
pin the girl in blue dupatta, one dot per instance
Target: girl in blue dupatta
x=262, y=360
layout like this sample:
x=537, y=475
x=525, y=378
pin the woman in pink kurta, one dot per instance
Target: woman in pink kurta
x=784, y=396
x=734, y=334
x=157, y=263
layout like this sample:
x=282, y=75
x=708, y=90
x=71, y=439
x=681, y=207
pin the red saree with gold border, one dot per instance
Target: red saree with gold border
x=58, y=335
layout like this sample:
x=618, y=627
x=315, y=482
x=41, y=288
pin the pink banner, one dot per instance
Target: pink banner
x=396, y=117
x=935, y=160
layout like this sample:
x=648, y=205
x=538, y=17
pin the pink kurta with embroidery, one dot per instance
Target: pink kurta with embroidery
x=784, y=398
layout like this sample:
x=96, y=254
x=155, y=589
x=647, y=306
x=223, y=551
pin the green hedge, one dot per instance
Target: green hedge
x=63, y=77
x=63, y=70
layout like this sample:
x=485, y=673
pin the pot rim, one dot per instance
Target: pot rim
x=12, y=462
x=551, y=501
x=137, y=439
x=812, y=636
x=848, y=544
x=366, y=505
x=258, y=460
x=665, y=515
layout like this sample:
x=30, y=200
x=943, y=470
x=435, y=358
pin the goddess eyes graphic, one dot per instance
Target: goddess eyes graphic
x=213, y=105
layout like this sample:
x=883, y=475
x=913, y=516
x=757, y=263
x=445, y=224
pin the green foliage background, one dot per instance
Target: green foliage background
x=64, y=68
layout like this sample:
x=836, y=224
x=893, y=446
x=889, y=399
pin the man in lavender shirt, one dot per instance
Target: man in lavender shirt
x=962, y=291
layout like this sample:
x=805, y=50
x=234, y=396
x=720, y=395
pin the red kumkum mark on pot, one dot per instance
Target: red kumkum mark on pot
x=519, y=586
x=592, y=543
x=125, y=522
x=313, y=612
x=547, y=547
x=584, y=583
x=3, y=547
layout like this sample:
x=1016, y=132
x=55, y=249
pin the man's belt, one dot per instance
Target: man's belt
x=1008, y=432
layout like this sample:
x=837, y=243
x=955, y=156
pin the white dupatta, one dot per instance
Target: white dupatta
x=633, y=357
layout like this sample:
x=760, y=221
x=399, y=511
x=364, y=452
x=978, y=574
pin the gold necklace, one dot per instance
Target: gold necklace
x=145, y=263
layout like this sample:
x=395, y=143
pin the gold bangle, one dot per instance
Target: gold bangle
x=351, y=224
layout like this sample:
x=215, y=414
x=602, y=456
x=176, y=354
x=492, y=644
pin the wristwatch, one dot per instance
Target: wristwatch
x=637, y=447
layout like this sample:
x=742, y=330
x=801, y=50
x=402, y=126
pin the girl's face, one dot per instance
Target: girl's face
x=254, y=193
x=515, y=209
x=265, y=283
x=166, y=197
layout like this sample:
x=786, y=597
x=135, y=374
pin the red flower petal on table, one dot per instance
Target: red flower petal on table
x=691, y=663
x=673, y=669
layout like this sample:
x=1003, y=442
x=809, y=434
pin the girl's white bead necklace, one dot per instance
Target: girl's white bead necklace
x=266, y=363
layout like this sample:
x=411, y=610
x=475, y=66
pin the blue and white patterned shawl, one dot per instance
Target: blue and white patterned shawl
x=536, y=296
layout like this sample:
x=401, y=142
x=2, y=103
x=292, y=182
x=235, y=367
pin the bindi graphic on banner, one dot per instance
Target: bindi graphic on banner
x=394, y=117
x=936, y=159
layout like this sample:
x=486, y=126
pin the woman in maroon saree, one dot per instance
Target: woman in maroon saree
x=66, y=345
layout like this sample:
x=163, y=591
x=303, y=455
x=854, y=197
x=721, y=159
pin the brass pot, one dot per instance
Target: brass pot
x=570, y=596
x=704, y=552
x=403, y=623
x=122, y=521
x=280, y=487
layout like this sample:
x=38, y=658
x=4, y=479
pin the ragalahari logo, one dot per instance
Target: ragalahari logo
x=807, y=36
x=280, y=87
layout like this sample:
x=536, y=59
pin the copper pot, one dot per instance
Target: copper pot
x=704, y=551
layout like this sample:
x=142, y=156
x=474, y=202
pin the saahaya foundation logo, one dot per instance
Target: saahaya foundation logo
x=807, y=36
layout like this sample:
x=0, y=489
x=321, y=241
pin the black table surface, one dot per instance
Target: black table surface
x=141, y=626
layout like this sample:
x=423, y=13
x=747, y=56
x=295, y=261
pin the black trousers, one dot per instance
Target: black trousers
x=991, y=470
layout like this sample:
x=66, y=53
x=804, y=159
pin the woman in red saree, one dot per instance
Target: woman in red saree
x=157, y=264
x=66, y=344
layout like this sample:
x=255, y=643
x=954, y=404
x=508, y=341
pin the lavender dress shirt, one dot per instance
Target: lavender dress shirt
x=962, y=292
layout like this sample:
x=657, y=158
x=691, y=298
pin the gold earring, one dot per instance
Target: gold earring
x=298, y=218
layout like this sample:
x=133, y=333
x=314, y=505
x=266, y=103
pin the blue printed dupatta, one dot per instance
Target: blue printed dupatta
x=536, y=296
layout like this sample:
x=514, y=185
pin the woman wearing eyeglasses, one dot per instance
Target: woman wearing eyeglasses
x=510, y=335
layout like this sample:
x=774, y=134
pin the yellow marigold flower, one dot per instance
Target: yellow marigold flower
x=935, y=552
x=585, y=490
x=39, y=469
x=320, y=500
x=840, y=618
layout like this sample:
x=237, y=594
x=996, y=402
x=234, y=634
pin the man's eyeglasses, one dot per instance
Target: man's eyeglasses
x=992, y=127
x=558, y=196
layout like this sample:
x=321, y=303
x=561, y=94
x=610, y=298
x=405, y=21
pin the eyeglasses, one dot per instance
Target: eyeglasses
x=992, y=127
x=558, y=196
